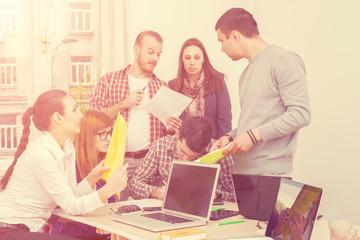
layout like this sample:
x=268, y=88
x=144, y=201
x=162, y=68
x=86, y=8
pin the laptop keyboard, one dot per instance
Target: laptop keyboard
x=166, y=218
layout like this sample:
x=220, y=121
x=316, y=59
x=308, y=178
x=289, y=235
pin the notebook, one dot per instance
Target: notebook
x=255, y=195
x=188, y=199
x=295, y=197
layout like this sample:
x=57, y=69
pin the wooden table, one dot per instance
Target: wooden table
x=102, y=218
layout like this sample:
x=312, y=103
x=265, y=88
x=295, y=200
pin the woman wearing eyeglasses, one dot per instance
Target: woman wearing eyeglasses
x=43, y=173
x=91, y=145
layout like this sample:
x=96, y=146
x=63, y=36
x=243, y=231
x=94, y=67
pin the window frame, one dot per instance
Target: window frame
x=4, y=66
x=78, y=64
x=7, y=25
x=80, y=18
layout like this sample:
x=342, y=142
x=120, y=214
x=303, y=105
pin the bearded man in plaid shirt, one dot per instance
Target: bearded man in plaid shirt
x=127, y=92
x=192, y=141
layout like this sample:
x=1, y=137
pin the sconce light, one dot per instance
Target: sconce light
x=44, y=41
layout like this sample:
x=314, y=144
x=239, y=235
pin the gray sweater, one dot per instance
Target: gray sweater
x=274, y=98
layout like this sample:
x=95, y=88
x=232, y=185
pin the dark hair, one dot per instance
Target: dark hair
x=197, y=133
x=237, y=19
x=46, y=104
x=213, y=79
x=140, y=37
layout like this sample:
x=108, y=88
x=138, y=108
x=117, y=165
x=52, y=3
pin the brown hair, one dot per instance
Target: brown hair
x=213, y=80
x=45, y=106
x=86, y=154
x=237, y=19
x=140, y=37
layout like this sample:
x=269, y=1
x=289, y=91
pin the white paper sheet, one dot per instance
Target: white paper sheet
x=166, y=103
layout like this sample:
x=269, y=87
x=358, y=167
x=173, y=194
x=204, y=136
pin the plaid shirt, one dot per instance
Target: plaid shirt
x=157, y=164
x=113, y=87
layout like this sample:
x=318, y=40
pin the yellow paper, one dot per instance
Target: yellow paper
x=213, y=157
x=116, y=151
x=198, y=234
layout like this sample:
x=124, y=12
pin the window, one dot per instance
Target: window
x=81, y=70
x=80, y=14
x=8, y=132
x=8, y=72
x=7, y=18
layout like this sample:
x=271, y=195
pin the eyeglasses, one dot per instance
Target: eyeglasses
x=103, y=135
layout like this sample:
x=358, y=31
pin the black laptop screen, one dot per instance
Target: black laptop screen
x=295, y=211
x=190, y=188
x=256, y=195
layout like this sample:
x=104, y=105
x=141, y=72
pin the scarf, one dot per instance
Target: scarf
x=196, y=107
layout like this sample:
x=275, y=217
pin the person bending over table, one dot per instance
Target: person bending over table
x=192, y=141
x=43, y=174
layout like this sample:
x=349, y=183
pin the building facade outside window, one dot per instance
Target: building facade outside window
x=8, y=132
x=7, y=18
x=80, y=17
x=81, y=70
x=8, y=72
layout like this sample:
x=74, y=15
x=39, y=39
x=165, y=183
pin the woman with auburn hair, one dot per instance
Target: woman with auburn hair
x=92, y=142
x=199, y=80
x=91, y=145
x=43, y=174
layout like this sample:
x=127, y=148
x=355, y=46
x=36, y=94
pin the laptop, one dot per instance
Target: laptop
x=255, y=195
x=297, y=199
x=188, y=199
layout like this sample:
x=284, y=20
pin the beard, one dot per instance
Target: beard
x=147, y=67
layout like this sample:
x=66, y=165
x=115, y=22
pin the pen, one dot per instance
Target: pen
x=113, y=211
x=226, y=223
x=146, y=85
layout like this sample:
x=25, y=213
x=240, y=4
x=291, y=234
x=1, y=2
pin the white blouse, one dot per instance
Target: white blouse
x=44, y=177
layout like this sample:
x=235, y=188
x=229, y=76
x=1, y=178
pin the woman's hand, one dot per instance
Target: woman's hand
x=116, y=183
x=94, y=176
x=173, y=123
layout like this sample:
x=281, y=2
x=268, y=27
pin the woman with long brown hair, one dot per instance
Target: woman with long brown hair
x=199, y=80
x=43, y=173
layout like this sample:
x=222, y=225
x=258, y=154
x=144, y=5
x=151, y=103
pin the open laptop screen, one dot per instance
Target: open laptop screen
x=295, y=211
x=190, y=188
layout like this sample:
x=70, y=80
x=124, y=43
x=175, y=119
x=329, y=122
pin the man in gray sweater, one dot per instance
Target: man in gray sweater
x=273, y=95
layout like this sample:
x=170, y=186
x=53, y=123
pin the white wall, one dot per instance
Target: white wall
x=326, y=34
x=176, y=21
